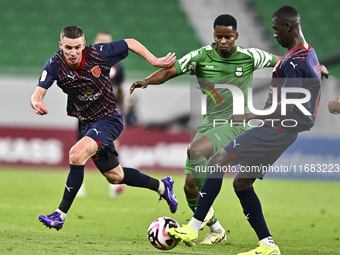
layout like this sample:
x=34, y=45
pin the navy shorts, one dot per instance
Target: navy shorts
x=104, y=131
x=258, y=148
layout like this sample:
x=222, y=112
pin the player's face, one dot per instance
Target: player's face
x=225, y=38
x=72, y=50
x=280, y=32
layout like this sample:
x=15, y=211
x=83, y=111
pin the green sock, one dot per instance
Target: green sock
x=192, y=202
x=198, y=171
x=212, y=223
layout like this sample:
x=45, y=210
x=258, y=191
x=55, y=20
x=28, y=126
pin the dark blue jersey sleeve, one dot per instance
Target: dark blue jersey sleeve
x=112, y=52
x=49, y=74
x=294, y=68
x=294, y=72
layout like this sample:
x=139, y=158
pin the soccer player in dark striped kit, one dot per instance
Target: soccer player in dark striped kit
x=82, y=72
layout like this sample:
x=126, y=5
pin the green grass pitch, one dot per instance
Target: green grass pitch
x=303, y=216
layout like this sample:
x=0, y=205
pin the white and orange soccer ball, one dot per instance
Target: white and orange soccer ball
x=157, y=233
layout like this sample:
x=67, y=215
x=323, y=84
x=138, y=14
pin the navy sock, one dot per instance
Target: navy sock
x=253, y=211
x=133, y=177
x=206, y=197
x=74, y=180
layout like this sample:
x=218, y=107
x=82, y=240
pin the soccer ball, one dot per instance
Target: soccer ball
x=157, y=233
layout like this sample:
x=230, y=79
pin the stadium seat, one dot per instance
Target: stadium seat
x=35, y=25
x=320, y=23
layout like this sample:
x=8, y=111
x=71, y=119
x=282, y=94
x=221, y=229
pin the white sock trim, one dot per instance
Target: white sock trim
x=268, y=241
x=195, y=224
x=62, y=214
x=161, y=188
x=217, y=227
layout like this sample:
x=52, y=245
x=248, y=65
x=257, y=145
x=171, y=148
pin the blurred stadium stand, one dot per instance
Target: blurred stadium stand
x=320, y=21
x=30, y=29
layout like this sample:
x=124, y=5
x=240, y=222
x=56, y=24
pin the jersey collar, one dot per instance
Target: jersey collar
x=301, y=48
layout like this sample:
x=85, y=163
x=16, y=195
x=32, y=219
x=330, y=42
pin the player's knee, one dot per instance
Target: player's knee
x=74, y=157
x=194, y=152
x=221, y=158
x=188, y=153
x=242, y=183
x=214, y=160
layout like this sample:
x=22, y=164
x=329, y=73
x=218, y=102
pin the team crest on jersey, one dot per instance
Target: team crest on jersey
x=96, y=71
x=239, y=71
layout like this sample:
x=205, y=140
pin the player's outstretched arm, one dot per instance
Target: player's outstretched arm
x=157, y=77
x=37, y=101
x=277, y=59
x=334, y=106
x=324, y=71
x=139, y=49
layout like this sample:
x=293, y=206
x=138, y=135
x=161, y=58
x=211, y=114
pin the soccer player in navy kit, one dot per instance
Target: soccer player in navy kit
x=263, y=145
x=82, y=72
x=117, y=77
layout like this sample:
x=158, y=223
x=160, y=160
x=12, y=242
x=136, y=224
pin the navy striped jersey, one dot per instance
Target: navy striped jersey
x=89, y=88
x=299, y=68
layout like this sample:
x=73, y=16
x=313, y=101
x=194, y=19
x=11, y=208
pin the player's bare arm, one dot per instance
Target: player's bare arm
x=139, y=49
x=334, y=106
x=324, y=71
x=277, y=59
x=157, y=77
x=37, y=101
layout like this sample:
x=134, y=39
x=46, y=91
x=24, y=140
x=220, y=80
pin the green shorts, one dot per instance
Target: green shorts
x=219, y=137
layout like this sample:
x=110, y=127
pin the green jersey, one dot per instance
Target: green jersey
x=236, y=70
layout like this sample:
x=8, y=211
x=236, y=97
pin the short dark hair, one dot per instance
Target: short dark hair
x=72, y=32
x=288, y=13
x=225, y=20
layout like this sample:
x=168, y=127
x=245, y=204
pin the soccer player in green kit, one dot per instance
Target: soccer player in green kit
x=222, y=60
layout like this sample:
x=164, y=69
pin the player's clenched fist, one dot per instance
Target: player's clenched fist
x=40, y=108
x=334, y=106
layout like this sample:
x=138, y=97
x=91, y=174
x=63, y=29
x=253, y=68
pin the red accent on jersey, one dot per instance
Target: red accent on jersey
x=280, y=129
x=233, y=157
x=98, y=143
